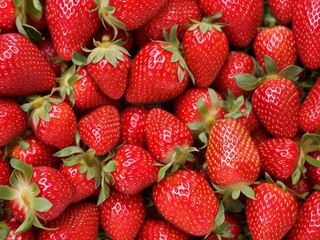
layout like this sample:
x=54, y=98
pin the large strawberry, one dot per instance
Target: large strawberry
x=159, y=72
x=272, y=213
x=306, y=30
x=36, y=194
x=232, y=152
x=282, y=10
x=13, y=121
x=71, y=24
x=242, y=18
x=24, y=70
x=205, y=48
x=187, y=200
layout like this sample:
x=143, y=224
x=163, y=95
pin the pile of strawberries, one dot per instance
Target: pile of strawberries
x=160, y=119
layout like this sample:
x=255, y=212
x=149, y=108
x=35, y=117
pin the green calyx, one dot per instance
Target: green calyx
x=234, y=191
x=207, y=24
x=107, y=179
x=25, y=194
x=278, y=183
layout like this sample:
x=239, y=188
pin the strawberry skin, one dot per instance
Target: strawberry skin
x=187, y=193
x=9, y=12
x=306, y=30
x=5, y=171
x=272, y=213
x=282, y=10
x=24, y=70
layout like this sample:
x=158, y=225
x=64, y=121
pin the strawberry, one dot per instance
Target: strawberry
x=205, y=48
x=71, y=25
x=306, y=31
x=52, y=120
x=282, y=10
x=229, y=230
x=275, y=99
x=278, y=43
x=169, y=140
x=13, y=121
x=5, y=171
x=309, y=116
x=100, y=129
x=24, y=69
x=36, y=194
x=187, y=193
x=236, y=62
x=306, y=226
x=174, y=12
x=9, y=13
x=279, y=157
x=122, y=215
x=132, y=123
x=272, y=213
x=10, y=226
x=160, y=228
x=34, y=152
x=231, y=151
x=79, y=221
x=260, y=135
x=159, y=72
x=242, y=18
x=313, y=172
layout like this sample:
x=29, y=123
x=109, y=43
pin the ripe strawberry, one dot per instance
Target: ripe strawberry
x=71, y=25
x=9, y=12
x=36, y=194
x=306, y=32
x=309, y=116
x=122, y=215
x=279, y=157
x=278, y=43
x=132, y=123
x=205, y=48
x=160, y=228
x=272, y=213
x=230, y=230
x=24, y=69
x=10, y=226
x=282, y=10
x=100, y=129
x=159, y=72
x=13, y=121
x=187, y=193
x=5, y=171
x=313, y=172
x=275, y=99
x=242, y=18
x=79, y=221
x=306, y=226
x=236, y=62
x=174, y=12
x=52, y=120
x=231, y=151
x=260, y=135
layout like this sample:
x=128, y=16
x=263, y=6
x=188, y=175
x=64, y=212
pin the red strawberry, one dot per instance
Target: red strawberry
x=236, y=62
x=278, y=43
x=313, y=172
x=100, y=129
x=132, y=123
x=230, y=230
x=72, y=25
x=279, y=157
x=5, y=171
x=11, y=226
x=282, y=10
x=309, y=116
x=52, y=120
x=242, y=18
x=80, y=221
x=160, y=228
x=186, y=200
x=122, y=215
x=9, y=12
x=231, y=151
x=174, y=12
x=260, y=135
x=307, y=225
x=36, y=194
x=13, y=121
x=24, y=69
x=159, y=72
x=306, y=31
x=272, y=213
x=205, y=48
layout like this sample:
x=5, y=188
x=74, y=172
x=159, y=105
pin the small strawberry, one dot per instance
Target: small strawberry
x=10, y=226
x=229, y=230
x=260, y=135
x=24, y=70
x=100, y=129
x=272, y=213
x=242, y=18
x=313, y=172
x=5, y=171
x=9, y=12
x=122, y=215
x=282, y=10
x=79, y=221
x=306, y=31
x=13, y=121
x=186, y=200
